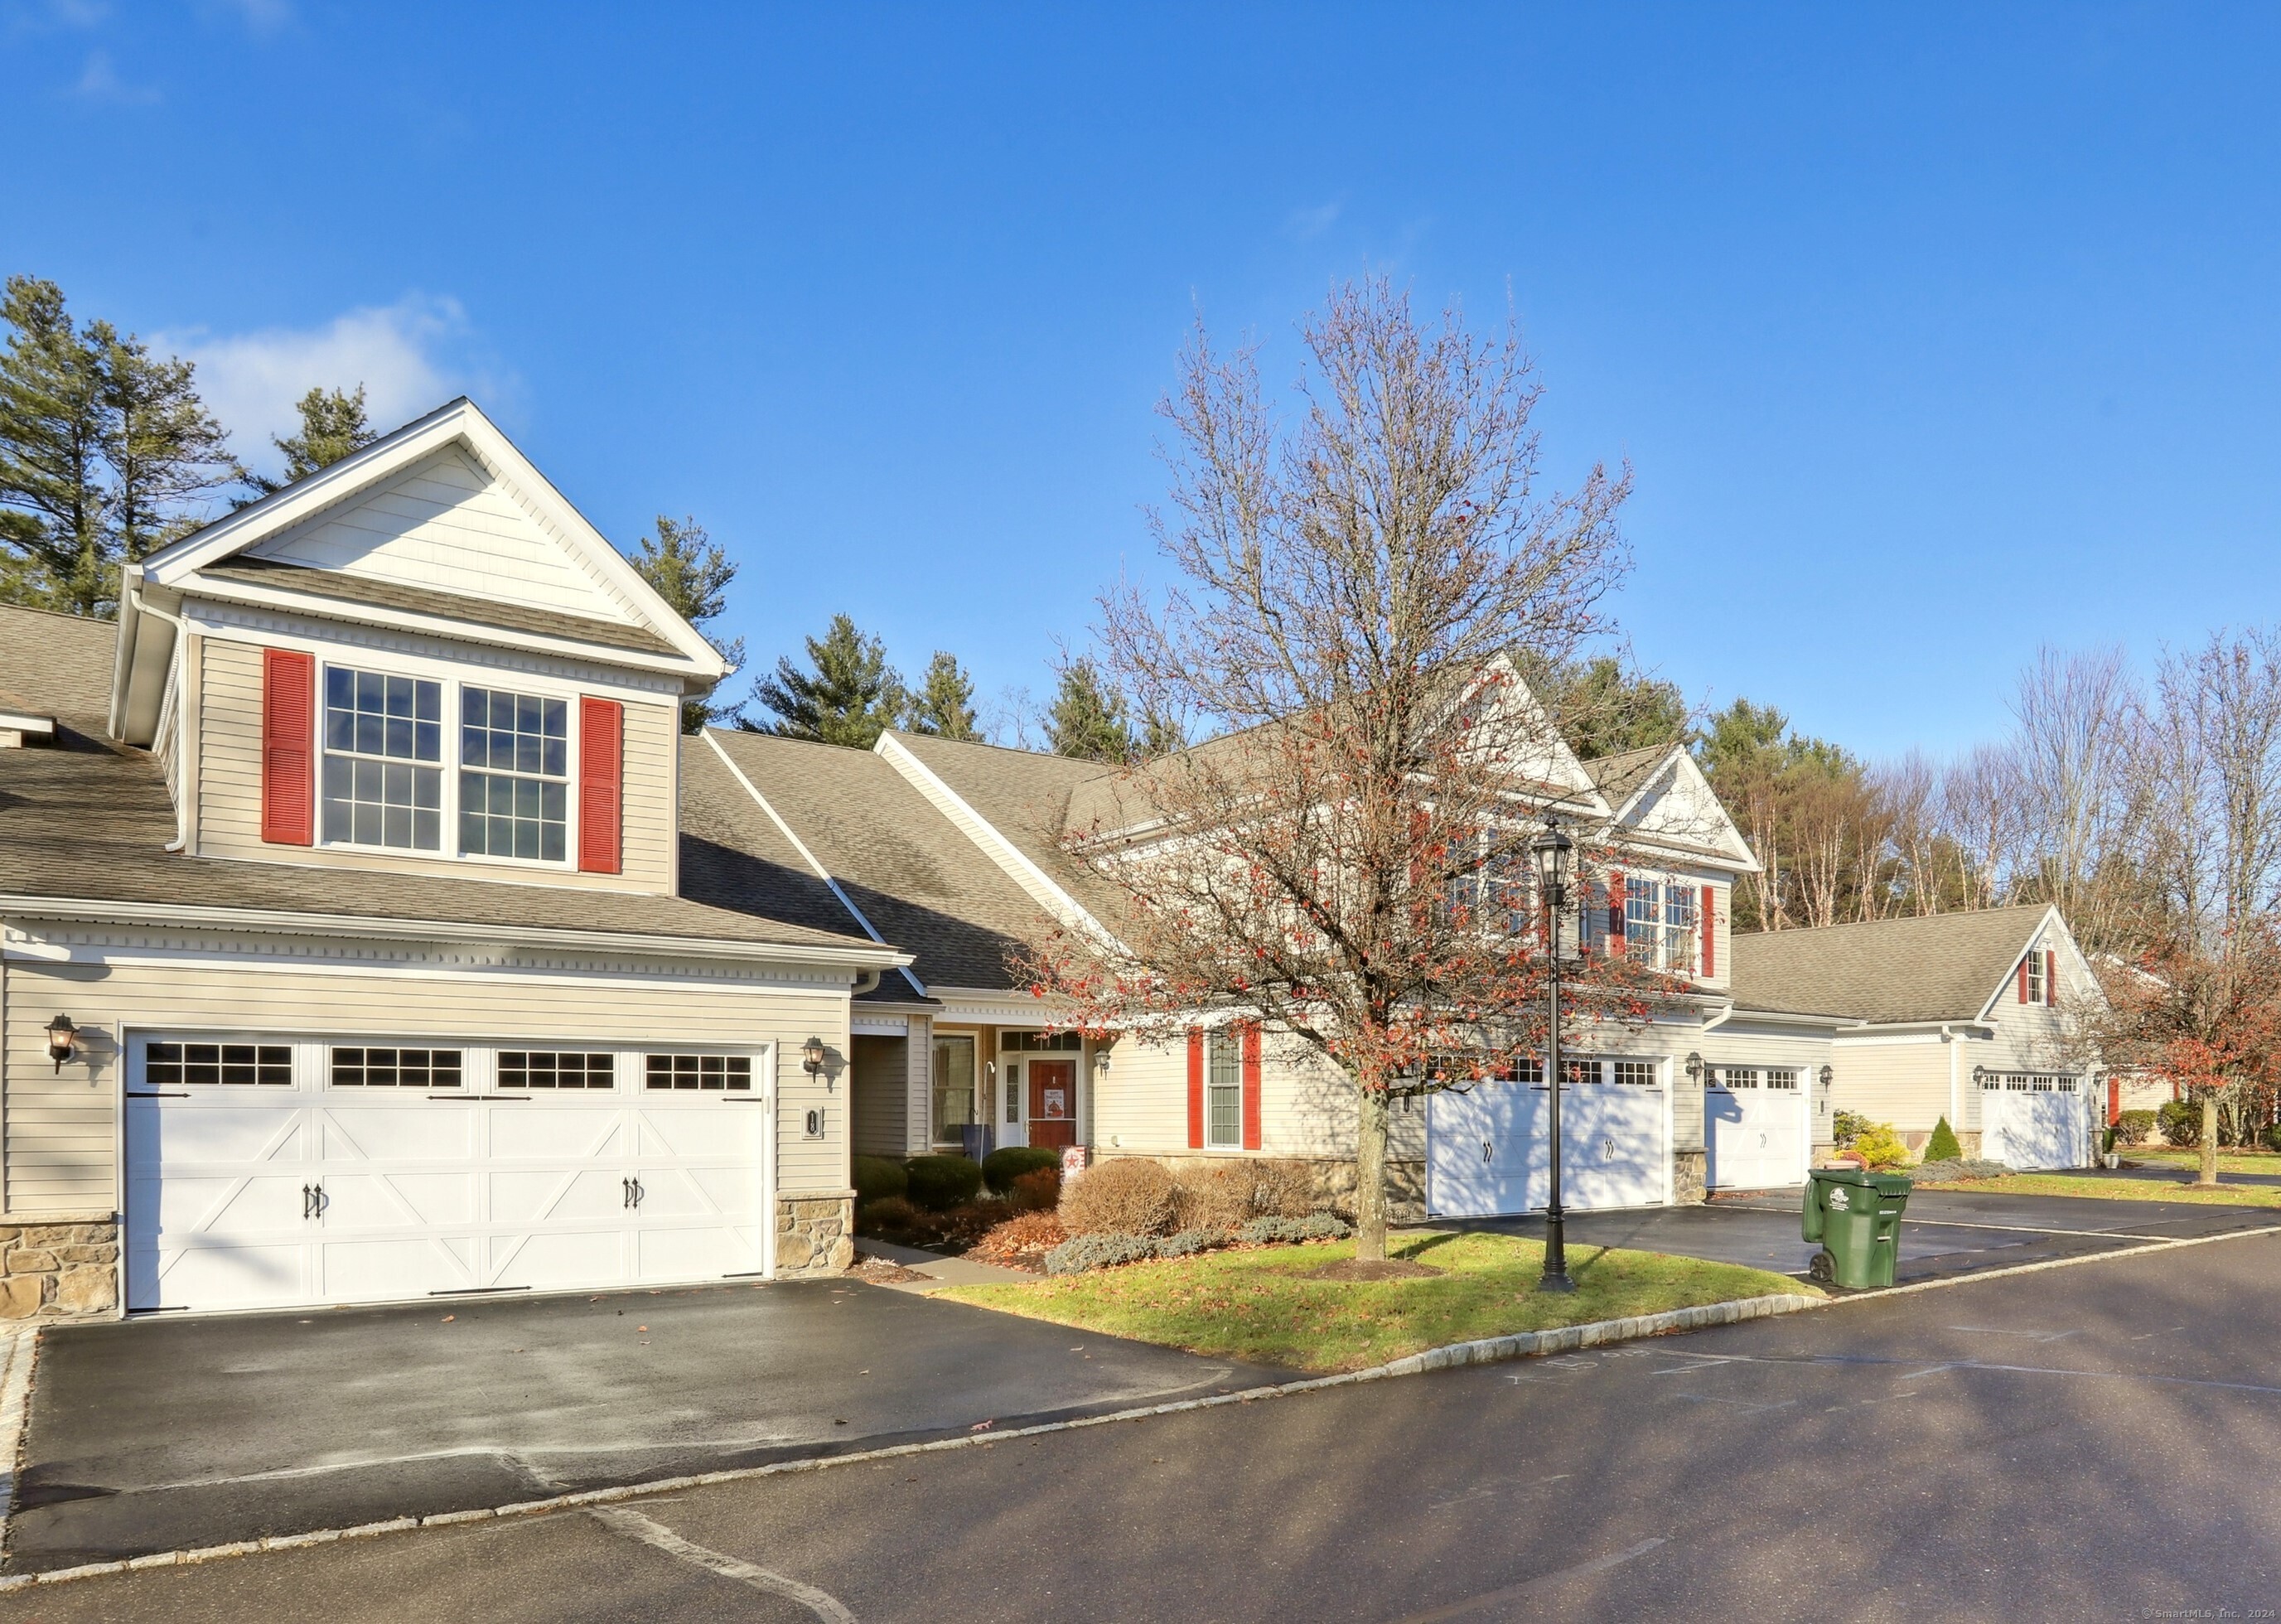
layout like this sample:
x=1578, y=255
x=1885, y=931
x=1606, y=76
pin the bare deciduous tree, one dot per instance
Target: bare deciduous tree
x=1345, y=863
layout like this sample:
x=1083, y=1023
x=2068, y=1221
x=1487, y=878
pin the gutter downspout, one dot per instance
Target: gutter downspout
x=868, y=982
x=1955, y=1098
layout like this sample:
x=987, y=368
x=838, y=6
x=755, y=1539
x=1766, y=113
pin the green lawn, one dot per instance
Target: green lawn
x=2228, y=1160
x=1256, y=1306
x=2116, y=1190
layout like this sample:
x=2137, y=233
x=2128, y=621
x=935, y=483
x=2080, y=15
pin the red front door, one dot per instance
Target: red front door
x=1053, y=1103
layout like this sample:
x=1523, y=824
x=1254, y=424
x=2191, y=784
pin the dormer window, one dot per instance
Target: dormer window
x=514, y=775
x=384, y=776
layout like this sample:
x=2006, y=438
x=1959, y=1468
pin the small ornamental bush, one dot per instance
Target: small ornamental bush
x=1942, y=1147
x=941, y=1182
x=891, y=1216
x=1037, y=1192
x=1098, y=1250
x=2134, y=1127
x=877, y=1178
x=1129, y=1195
x=2181, y=1122
x=1282, y=1188
x=1276, y=1231
x=1188, y=1242
x=1846, y=1126
x=2273, y=1137
x=1217, y=1198
x=1878, y=1147
x=1022, y=1241
x=1001, y=1168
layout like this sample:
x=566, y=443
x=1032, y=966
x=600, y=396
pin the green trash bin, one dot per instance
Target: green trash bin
x=1856, y=1215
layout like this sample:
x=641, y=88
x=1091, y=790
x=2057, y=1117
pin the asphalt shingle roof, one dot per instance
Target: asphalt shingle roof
x=1617, y=776
x=87, y=819
x=1942, y=968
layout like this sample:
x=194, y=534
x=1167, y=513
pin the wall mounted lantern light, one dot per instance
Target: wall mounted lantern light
x=1980, y=1076
x=811, y=1055
x=63, y=1038
x=1829, y=1075
x=1695, y=1068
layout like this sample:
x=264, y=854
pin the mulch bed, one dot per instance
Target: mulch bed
x=1373, y=1269
x=880, y=1272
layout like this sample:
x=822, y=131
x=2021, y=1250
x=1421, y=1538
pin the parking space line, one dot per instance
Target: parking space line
x=626, y=1521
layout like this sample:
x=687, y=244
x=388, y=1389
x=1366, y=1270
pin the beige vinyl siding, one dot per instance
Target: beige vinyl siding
x=446, y=525
x=1902, y=1080
x=229, y=800
x=878, y=1099
x=61, y=1128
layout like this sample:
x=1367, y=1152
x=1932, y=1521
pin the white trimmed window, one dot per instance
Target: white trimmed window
x=1224, y=1090
x=514, y=775
x=557, y=1069
x=396, y=1068
x=2034, y=962
x=1783, y=1076
x=384, y=776
x=731, y=1073
x=219, y=1065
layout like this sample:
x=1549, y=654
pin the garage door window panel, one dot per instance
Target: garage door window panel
x=396, y=1068
x=722, y=1073
x=523, y=1069
x=218, y=1065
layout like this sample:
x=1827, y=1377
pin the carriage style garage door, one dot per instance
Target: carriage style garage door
x=2034, y=1119
x=1755, y=1127
x=265, y=1173
x=1487, y=1148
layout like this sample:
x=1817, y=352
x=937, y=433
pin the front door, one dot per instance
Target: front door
x=1053, y=1103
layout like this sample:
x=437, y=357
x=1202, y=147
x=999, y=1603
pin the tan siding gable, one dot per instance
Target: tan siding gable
x=447, y=524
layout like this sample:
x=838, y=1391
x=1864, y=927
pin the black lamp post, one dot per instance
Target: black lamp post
x=1552, y=849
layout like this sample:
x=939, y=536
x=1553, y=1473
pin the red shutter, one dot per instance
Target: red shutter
x=2113, y=1100
x=1615, y=913
x=2051, y=979
x=2024, y=981
x=1251, y=1087
x=289, y=748
x=1709, y=934
x=601, y=784
x=1195, y=1088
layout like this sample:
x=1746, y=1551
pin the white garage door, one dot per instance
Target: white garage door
x=1754, y=1127
x=1487, y=1149
x=2034, y=1119
x=268, y=1174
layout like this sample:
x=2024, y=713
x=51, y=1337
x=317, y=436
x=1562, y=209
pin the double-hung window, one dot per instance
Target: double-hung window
x=1678, y=927
x=515, y=765
x=1660, y=923
x=383, y=774
x=1224, y=1091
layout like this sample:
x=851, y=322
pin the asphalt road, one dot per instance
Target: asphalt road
x=2091, y=1443
x=159, y=1434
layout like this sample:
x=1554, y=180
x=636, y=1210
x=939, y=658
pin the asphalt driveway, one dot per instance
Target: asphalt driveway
x=156, y=1434
x=1946, y=1231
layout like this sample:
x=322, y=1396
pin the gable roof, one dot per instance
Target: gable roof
x=1944, y=967
x=1618, y=775
x=88, y=821
x=444, y=526
x=920, y=883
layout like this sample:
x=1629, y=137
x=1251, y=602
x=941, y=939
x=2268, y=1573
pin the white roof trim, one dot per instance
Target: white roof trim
x=26, y=721
x=2051, y=917
x=1734, y=848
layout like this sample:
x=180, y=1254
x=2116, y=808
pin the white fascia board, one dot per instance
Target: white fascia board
x=462, y=422
x=856, y=955
x=312, y=606
x=2051, y=917
x=25, y=722
x=807, y=856
x=1731, y=848
x=1033, y=879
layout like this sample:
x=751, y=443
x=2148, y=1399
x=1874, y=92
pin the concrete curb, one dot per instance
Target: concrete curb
x=19, y=1353
x=1490, y=1350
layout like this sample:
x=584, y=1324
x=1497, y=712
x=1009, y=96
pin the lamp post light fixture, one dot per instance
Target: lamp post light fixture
x=1553, y=849
x=63, y=1038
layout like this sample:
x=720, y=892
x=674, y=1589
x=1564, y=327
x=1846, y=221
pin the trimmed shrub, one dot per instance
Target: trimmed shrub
x=1282, y=1188
x=1098, y=1250
x=2135, y=1127
x=2181, y=1122
x=1878, y=1146
x=890, y=1215
x=1846, y=1126
x=1963, y=1167
x=1217, y=1198
x=1037, y=1192
x=2272, y=1137
x=1942, y=1147
x=1277, y=1231
x=1130, y=1195
x=1001, y=1168
x=877, y=1179
x=1188, y=1242
x=941, y=1182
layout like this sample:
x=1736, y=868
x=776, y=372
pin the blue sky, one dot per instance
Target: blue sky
x=1931, y=337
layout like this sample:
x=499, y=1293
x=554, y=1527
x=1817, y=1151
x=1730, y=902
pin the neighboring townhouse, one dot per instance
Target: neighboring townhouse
x=1969, y=1016
x=368, y=932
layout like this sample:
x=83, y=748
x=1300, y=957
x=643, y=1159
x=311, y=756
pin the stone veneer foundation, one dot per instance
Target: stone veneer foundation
x=816, y=1231
x=58, y=1270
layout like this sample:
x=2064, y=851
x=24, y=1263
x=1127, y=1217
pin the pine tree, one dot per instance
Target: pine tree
x=104, y=452
x=691, y=572
x=333, y=424
x=944, y=704
x=1943, y=1146
x=850, y=698
x=1088, y=718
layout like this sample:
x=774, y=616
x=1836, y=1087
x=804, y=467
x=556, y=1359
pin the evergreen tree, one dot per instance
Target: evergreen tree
x=1161, y=735
x=691, y=572
x=944, y=704
x=333, y=424
x=1604, y=708
x=850, y=697
x=1943, y=1146
x=1088, y=718
x=105, y=451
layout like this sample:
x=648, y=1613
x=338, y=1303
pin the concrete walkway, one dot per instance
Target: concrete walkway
x=940, y=1271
